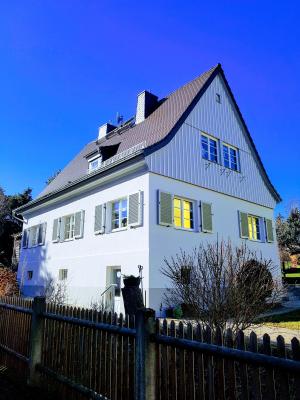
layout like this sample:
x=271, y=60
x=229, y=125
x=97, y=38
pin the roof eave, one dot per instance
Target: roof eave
x=80, y=182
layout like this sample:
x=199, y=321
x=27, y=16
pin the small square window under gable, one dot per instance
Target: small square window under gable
x=218, y=98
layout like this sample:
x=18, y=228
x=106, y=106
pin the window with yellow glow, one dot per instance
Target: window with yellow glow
x=183, y=213
x=253, y=227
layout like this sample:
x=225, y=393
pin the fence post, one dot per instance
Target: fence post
x=36, y=339
x=145, y=355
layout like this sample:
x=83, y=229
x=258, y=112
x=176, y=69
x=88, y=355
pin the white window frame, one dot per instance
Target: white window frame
x=92, y=160
x=209, y=137
x=34, y=240
x=182, y=199
x=62, y=274
x=72, y=227
x=229, y=146
x=260, y=230
x=120, y=228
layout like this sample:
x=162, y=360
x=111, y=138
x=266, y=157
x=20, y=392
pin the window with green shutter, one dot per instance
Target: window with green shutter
x=25, y=239
x=269, y=230
x=56, y=230
x=135, y=209
x=78, y=224
x=165, y=208
x=244, y=227
x=206, y=217
x=99, y=223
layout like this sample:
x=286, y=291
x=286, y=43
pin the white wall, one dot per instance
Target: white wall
x=167, y=241
x=87, y=258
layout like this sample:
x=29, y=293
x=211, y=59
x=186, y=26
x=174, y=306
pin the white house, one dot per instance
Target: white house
x=182, y=171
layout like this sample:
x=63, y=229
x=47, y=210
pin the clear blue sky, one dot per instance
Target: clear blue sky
x=66, y=67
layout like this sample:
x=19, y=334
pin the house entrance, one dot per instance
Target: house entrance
x=113, y=289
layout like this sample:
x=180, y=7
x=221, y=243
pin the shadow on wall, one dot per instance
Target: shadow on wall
x=35, y=280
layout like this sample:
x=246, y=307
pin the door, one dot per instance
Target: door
x=113, y=296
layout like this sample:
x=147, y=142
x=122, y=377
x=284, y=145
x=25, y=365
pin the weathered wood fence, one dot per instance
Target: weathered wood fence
x=85, y=354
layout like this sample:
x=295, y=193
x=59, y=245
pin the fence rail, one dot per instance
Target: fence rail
x=78, y=354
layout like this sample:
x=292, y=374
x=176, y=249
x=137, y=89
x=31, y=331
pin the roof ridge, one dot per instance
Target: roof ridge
x=208, y=72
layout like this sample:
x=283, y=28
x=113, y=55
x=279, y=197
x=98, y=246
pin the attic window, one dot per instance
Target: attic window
x=218, y=98
x=94, y=163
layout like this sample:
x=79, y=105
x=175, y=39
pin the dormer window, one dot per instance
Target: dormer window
x=94, y=163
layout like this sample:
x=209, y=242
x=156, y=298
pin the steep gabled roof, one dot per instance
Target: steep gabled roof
x=155, y=130
x=152, y=130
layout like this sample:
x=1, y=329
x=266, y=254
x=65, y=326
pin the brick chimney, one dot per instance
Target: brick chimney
x=104, y=130
x=146, y=104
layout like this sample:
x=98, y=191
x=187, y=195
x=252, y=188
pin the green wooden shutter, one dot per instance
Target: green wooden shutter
x=135, y=205
x=99, y=223
x=244, y=228
x=79, y=221
x=55, y=231
x=25, y=239
x=206, y=217
x=42, y=233
x=165, y=208
x=269, y=230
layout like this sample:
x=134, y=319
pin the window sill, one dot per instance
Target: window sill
x=119, y=229
x=184, y=229
x=211, y=161
x=69, y=240
x=256, y=240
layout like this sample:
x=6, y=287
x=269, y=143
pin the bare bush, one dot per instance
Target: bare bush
x=98, y=305
x=56, y=291
x=222, y=286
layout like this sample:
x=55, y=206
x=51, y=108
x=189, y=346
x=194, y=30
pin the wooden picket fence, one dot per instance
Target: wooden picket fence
x=190, y=375
x=85, y=354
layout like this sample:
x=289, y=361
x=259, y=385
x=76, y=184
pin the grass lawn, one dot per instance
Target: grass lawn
x=290, y=320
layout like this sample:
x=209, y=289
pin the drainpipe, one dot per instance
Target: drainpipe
x=17, y=218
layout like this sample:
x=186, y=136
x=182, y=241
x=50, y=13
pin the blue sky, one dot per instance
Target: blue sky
x=66, y=67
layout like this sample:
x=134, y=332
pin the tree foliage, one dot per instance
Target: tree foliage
x=288, y=232
x=222, y=286
x=9, y=225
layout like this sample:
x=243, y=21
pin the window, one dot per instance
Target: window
x=254, y=227
x=94, y=164
x=62, y=274
x=209, y=148
x=29, y=275
x=218, y=98
x=69, y=227
x=34, y=232
x=230, y=157
x=183, y=213
x=34, y=236
x=119, y=214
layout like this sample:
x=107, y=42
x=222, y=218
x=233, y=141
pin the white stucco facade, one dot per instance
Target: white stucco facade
x=88, y=259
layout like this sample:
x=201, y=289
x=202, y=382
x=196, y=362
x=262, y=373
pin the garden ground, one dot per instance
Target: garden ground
x=10, y=389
